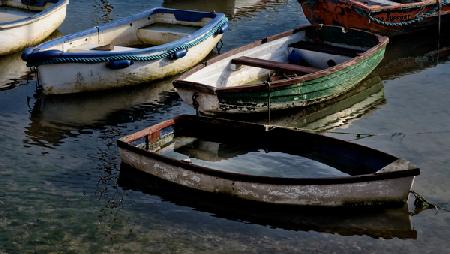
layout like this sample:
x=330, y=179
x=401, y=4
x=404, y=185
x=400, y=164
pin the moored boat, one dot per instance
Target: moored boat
x=150, y=45
x=24, y=22
x=311, y=169
x=296, y=68
x=387, y=17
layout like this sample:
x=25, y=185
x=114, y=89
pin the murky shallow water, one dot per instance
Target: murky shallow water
x=61, y=188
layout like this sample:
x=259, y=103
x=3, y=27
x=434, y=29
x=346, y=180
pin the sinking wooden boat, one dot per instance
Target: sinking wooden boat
x=150, y=45
x=387, y=17
x=296, y=68
x=377, y=222
x=25, y=22
x=266, y=163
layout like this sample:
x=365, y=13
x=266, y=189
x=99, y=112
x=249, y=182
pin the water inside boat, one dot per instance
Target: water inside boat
x=9, y=14
x=252, y=159
x=152, y=31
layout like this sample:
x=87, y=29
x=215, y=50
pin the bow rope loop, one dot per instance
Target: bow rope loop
x=100, y=59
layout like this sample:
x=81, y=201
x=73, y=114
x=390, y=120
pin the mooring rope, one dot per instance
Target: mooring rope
x=419, y=16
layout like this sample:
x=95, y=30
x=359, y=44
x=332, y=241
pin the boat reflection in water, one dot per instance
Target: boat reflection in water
x=12, y=70
x=54, y=117
x=374, y=222
x=336, y=112
x=412, y=53
x=232, y=8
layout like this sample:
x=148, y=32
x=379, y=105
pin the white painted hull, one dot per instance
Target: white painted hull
x=76, y=77
x=15, y=38
x=371, y=192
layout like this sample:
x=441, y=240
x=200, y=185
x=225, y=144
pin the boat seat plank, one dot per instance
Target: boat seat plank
x=160, y=33
x=325, y=48
x=273, y=65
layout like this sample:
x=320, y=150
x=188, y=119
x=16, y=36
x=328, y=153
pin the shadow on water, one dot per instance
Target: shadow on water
x=232, y=8
x=55, y=117
x=391, y=222
x=412, y=53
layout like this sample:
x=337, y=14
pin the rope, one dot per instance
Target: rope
x=267, y=83
x=167, y=53
x=419, y=16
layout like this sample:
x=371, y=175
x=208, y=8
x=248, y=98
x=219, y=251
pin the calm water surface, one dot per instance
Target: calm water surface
x=61, y=189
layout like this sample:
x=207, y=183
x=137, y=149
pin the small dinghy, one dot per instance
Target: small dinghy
x=296, y=68
x=266, y=163
x=151, y=45
x=387, y=17
x=27, y=22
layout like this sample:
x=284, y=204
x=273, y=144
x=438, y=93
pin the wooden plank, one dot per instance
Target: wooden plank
x=273, y=65
x=325, y=48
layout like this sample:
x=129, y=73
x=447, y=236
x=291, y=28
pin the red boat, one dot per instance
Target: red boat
x=387, y=17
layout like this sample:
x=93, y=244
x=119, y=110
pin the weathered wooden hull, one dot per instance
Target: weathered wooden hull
x=15, y=36
x=385, y=20
x=282, y=94
x=390, y=184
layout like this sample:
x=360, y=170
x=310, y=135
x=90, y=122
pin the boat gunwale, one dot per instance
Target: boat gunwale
x=34, y=18
x=398, y=6
x=182, y=83
x=216, y=19
x=125, y=143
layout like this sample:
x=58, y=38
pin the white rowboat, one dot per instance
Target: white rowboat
x=147, y=46
x=24, y=23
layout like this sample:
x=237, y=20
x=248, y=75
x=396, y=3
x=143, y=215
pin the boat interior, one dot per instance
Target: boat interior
x=14, y=10
x=316, y=156
x=307, y=51
x=155, y=29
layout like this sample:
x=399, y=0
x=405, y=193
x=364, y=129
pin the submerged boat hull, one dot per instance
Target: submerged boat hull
x=15, y=36
x=359, y=193
x=391, y=184
x=382, y=19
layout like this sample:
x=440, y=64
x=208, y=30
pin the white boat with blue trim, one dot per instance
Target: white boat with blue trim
x=24, y=23
x=147, y=46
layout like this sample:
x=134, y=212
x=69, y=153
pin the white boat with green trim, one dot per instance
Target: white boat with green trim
x=297, y=68
x=27, y=22
x=147, y=46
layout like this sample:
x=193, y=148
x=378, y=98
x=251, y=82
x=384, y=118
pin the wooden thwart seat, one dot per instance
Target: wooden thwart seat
x=273, y=65
x=325, y=48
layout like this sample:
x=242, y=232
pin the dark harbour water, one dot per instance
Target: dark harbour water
x=62, y=191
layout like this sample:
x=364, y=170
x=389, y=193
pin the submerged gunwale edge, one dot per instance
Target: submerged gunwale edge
x=239, y=177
